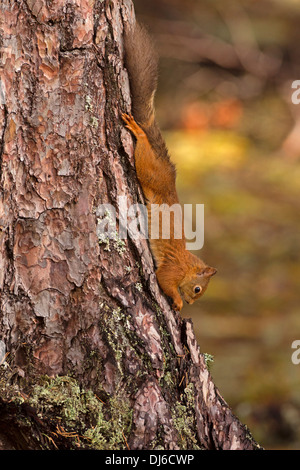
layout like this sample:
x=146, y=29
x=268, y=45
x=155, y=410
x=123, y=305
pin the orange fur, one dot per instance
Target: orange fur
x=178, y=270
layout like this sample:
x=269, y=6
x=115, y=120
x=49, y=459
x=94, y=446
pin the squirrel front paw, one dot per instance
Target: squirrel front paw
x=177, y=304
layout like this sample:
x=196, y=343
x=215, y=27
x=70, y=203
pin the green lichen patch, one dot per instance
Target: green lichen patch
x=111, y=435
x=80, y=415
x=123, y=340
x=209, y=360
x=139, y=286
x=94, y=122
x=183, y=415
x=111, y=240
x=63, y=397
x=68, y=416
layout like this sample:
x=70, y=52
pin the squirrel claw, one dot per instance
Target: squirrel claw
x=132, y=125
x=127, y=118
x=177, y=305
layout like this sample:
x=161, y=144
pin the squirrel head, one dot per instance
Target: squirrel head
x=195, y=282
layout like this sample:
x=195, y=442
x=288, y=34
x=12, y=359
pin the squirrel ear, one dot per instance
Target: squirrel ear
x=208, y=272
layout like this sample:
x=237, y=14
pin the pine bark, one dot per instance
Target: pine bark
x=95, y=357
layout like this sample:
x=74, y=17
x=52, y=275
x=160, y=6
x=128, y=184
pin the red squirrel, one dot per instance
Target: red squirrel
x=178, y=270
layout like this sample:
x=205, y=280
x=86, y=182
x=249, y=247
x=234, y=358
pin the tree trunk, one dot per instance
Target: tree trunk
x=92, y=354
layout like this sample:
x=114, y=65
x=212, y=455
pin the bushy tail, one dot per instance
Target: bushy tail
x=141, y=61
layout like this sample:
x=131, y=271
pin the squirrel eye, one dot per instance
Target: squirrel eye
x=197, y=289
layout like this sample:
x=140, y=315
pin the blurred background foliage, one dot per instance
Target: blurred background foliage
x=224, y=104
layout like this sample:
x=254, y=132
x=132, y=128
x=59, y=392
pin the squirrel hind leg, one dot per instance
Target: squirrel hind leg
x=132, y=125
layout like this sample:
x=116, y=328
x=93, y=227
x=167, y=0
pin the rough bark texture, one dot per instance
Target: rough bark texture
x=95, y=356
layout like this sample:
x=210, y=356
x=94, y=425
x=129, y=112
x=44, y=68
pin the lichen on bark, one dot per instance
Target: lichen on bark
x=73, y=418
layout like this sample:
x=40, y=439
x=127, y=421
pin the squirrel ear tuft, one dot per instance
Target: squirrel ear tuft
x=208, y=272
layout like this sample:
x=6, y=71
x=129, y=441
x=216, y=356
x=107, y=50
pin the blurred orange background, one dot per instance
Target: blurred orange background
x=224, y=105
